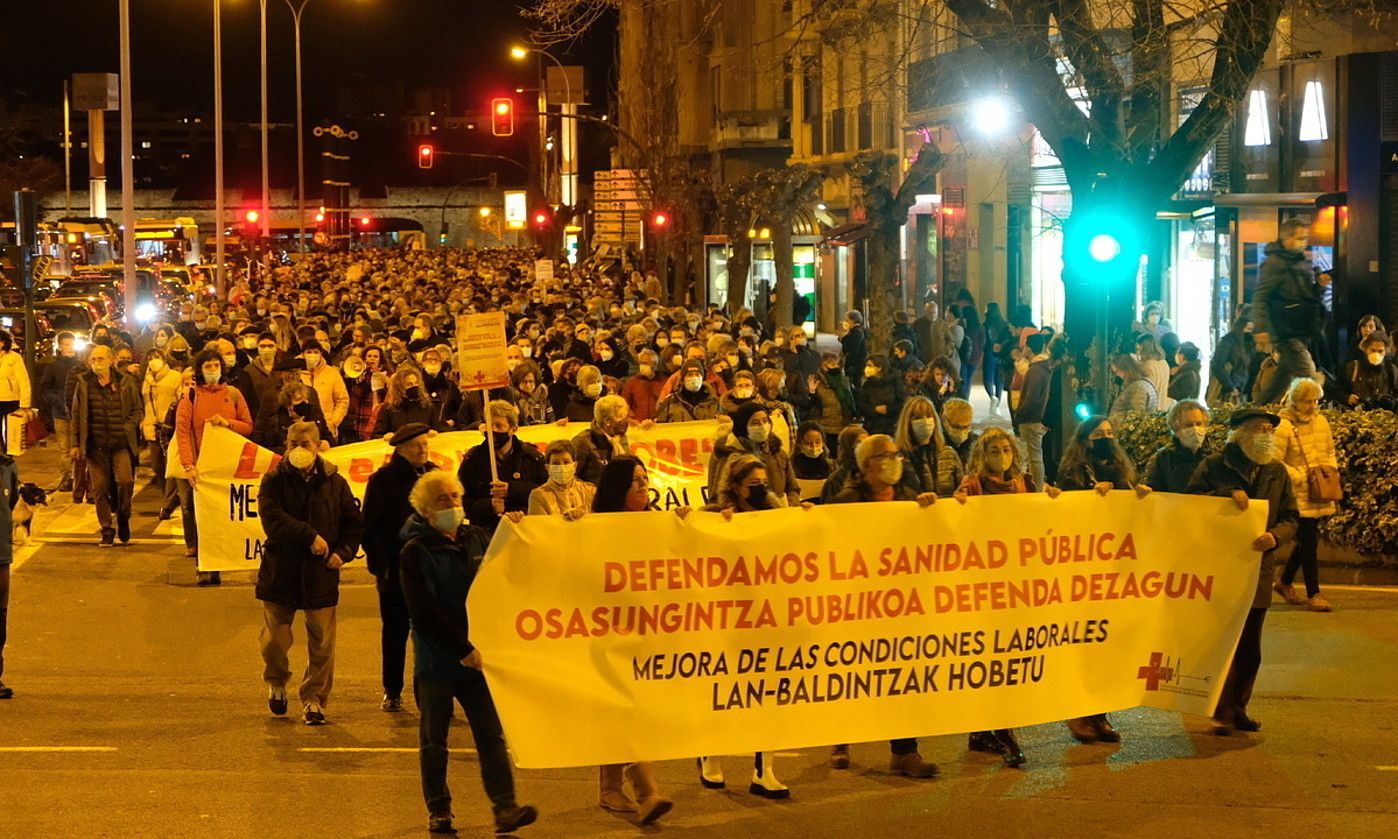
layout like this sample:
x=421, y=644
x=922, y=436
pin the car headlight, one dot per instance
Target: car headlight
x=79, y=344
x=145, y=312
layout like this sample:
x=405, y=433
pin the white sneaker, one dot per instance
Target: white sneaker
x=711, y=773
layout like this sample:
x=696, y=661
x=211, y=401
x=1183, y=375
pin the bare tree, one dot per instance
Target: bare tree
x=886, y=207
x=779, y=196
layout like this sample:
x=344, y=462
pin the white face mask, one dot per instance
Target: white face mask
x=593, y=390
x=871, y=372
x=605, y=355
x=759, y=433
x=923, y=428
x=562, y=473
x=1192, y=436
x=230, y=360
x=156, y=365
x=1376, y=358
x=693, y=383
x=312, y=361
x=742, y=393
x=999, y=462
x=301, y=458
x=891, y=471
x=646, y=370
x=527, y=352
x=957, y=437
x=1259, y=448
x=432, y=369
x=813, y=451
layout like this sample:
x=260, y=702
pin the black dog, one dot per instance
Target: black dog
x=30, y=496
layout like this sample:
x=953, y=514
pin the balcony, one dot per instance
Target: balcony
x=753, y=129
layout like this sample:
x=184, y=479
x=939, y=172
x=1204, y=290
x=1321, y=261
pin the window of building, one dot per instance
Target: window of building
x=1258, y=129
x=810, y=88
x=1314, y=125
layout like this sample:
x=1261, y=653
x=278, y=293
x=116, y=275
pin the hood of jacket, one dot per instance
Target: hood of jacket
x=1280, y=251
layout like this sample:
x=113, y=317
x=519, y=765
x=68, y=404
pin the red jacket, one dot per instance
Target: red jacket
x=200, y=404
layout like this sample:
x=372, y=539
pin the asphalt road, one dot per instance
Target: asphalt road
x=139, y=712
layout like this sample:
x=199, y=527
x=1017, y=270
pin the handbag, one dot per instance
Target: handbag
x=1322, y=482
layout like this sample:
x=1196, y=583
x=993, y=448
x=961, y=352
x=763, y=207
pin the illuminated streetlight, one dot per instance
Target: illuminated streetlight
x=991, y=116
x=485, y=212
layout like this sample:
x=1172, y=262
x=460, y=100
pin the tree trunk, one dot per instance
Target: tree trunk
x=739, y=263
x=882, y=245
x=786, y=287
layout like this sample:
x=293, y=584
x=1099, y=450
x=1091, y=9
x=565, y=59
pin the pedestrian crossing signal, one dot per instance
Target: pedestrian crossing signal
x=502, y=116
x=426, y=156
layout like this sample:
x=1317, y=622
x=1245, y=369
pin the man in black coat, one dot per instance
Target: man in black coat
x=1247, y=468
x=854, y=348
x=1171, y=467
x=386, y=508
x=1286, y=308
x=313, y=528
x=519, y=465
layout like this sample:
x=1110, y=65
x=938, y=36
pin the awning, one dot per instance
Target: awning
x=846, y=234
x=1267, y=199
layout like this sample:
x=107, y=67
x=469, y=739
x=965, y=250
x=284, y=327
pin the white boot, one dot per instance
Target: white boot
x=711, y=773
x=764, y=782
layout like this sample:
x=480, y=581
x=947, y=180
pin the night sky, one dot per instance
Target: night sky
x=348, y=44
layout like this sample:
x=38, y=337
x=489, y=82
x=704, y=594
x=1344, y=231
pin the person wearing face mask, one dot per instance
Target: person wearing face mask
x=14, y=388
x=801, y=367
x=929, y=464
x=519, y=468
x=260, y=373
x=606, y=439
x=751, y=433
x=1171, y=467
x=694, y=399
x=442, y=392
x=1304, y=442
x=879, y=477
x=1247, y=469
x=160, y=387
x=210, y=402
x=179, y=352
x=294, y=403
x=406, y=401
x=313, y=527
x=563, y=494
x=642, y=391
x=107, y=412
x=386, y=510
x=1138, y=394
x=996, y=467
x=610, y=360
x=328, y=384
x=582, y=401
x=363, y=399
x=744, y=390
x=1095, y=461
x=54, y=404
x=436, y=569
x=528, y=393
x=854, y=348
x=1371, y=382
x=880, y=396
x=957, y=418
x=811, y=461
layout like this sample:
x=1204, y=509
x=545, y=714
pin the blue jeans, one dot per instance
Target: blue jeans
x=994, y=387
x=435, y=699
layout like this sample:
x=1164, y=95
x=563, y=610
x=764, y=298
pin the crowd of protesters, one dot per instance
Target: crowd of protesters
x=340, y=348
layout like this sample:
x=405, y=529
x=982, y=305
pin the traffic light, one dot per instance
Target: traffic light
x=426, y=156
x=502, y=116
x=541, y=219
x=252, y=216
x=1103, y=239
x=659, y=220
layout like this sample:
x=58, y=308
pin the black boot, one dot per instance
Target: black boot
x=984, y=741
x=5, y=693
x=1010, y=751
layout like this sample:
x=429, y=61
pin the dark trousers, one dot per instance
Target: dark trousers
x=6, y=408
x=112, y=478
x=1247, y=660
x=191, y=528
x=1295, y=363
x=1304, y=557
x=4, y=612
x=393, y=611
x=436, y=698
x=903, y=746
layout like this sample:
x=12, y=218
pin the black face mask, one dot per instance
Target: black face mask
x=502, y=439
x=1104, y=448
x=413, y=393
x=300, y=409
x=757, y=497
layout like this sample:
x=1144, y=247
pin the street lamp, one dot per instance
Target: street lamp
x=296, y=10
x=266, y=166
x=567, y=171
x=220, y=283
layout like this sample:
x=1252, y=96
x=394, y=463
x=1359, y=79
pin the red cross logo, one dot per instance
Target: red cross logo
x=480, y=376
x=1154, y=673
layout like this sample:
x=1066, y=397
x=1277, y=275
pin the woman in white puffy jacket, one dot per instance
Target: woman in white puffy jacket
x=1304, y=441
x=14, y=387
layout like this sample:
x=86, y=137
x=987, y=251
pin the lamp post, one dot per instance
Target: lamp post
x=128, y=171
x=567, y=127
x=220, y=282
x=296, y=10
x=266, y=168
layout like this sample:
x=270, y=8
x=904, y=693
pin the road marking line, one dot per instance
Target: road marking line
x=368, y=749
x=57, y=748
x=1387, y=768
x=1387, y=589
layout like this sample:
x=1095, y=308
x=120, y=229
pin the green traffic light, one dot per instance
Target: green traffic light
x=1104, y=247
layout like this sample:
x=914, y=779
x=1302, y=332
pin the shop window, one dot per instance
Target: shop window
x=1258, y=131
x=1314, y=127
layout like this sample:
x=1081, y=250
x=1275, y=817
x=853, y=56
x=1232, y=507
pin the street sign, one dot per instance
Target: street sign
x=480, y=351
x=95, y=92
x=516, y=208
x=543, y=270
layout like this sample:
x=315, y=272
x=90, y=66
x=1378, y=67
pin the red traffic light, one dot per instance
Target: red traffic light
x=252, y=216
x=426, y=156
x=364, y=221
x=502, y=116
x=541, y=218
x=659, y=219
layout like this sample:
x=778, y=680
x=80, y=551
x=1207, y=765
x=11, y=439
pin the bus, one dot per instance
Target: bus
x=387, y=232
x=170, y=240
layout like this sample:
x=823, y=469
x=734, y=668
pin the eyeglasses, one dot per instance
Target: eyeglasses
x=887, y=456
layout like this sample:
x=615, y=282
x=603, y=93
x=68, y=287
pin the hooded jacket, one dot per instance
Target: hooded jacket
x=1287, y=301
x=781, y=475
x=294, y=509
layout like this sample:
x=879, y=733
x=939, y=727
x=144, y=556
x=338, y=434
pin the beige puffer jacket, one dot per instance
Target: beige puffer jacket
x=1301, y=445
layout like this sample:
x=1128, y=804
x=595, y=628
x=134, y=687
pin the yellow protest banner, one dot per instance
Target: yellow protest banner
x=642, y=636
x=231, y=468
